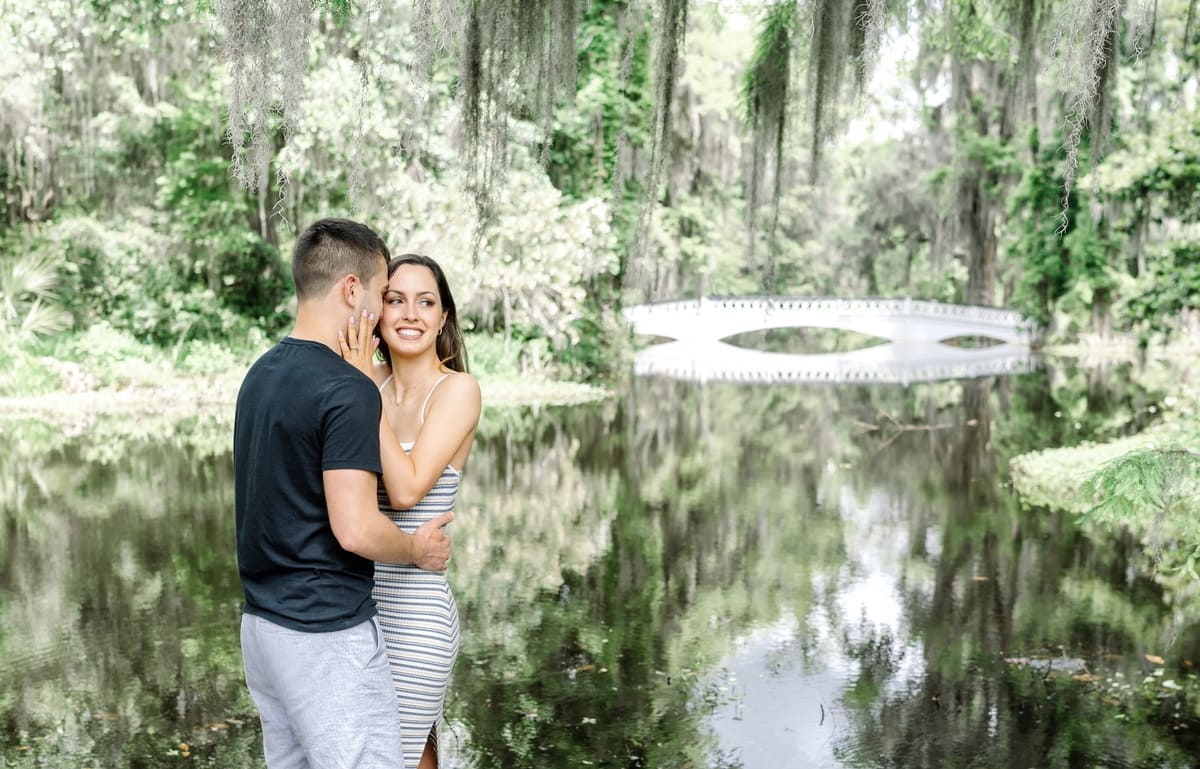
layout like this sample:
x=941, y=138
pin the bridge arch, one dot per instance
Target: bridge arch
x=898, y=320
x=916, y=330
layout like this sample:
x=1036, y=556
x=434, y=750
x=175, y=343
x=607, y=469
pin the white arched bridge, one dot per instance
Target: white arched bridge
x=916, y=331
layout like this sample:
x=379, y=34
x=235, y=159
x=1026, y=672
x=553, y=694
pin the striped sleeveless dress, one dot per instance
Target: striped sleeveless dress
x=418, y=617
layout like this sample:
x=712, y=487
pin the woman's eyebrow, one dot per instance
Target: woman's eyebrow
x=401, y=293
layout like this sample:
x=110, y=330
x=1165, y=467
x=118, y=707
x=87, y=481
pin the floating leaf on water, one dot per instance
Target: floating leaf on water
x=1085, y=677
x=1110, y=700
x=979, y=578
x=1169, y=684
x=1157, y=660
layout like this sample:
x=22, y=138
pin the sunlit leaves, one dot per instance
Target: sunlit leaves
x=29, y=303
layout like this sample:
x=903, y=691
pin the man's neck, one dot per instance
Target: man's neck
x=312, y=326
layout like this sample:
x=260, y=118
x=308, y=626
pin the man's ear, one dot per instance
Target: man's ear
x=350, y=289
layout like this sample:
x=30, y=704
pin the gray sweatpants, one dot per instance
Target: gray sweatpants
x=326, y=699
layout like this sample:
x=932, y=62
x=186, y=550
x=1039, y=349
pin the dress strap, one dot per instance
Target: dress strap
x=389, y=378
x=430, y=393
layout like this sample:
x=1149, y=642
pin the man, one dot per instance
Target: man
x=306, y=460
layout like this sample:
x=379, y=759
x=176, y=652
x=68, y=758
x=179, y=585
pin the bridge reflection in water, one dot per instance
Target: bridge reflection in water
x=916, y=330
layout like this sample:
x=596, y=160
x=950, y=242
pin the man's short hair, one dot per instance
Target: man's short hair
x=330, y=249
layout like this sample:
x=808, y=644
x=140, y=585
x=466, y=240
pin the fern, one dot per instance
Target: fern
x=1156, y=491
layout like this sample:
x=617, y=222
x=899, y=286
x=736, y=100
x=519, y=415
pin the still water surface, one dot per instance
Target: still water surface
x=682, y=576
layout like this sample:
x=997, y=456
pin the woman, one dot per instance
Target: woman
x=430, y=410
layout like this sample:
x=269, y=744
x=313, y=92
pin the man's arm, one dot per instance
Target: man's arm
x=361, y=529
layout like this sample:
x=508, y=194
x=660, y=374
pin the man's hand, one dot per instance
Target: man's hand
x=433, y=546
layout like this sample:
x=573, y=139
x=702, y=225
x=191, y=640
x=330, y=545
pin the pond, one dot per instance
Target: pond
x=683, y=575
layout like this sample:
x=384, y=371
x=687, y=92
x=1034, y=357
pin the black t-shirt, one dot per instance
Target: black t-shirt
x=301, y=410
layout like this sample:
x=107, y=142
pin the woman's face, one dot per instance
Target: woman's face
x=412, y=310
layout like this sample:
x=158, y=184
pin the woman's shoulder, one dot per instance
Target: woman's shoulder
x=462, y=382
x=458, y=386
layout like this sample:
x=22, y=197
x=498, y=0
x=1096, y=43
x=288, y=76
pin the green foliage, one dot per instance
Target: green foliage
x=1066, y=273
x=115, y=157
x=611, y=108
x=24, y=374
x=1043, y=264
x=495, y=356
x=209, y=217
x=112, y=356
x=29, y=301
x=1155, y=490
x=1161, y=164
x=1166, y=296
x=208, y=358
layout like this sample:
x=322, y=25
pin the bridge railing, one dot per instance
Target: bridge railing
x=863, y=306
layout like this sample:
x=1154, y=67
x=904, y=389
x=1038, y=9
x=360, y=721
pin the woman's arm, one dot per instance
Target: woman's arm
x=450, y=420
x=408, y=477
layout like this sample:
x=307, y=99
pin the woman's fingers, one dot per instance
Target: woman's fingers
x=357, y=344
x=365, y=328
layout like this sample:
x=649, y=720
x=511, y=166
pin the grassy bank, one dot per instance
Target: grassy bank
x=105, y=371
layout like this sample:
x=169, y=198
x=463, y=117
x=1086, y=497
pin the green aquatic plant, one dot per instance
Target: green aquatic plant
x=1157, y=490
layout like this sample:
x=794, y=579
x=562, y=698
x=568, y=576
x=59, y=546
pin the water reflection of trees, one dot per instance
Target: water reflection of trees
x=676, y=540
x=699, y=512
x=1004, y=583
x=607, y=560
x=117, y=598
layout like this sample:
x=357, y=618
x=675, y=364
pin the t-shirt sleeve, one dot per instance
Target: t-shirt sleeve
x=350, y=426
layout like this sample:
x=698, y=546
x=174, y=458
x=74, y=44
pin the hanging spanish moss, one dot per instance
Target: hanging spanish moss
x=249, y=34
x=1145, y=17
x=1023, y=19
x=517, y=58
x=835, y=24
x=1084, y=45
x=1189, y=31
x=437, y=28
x=869, y=17
x=670, y=30
x=266, y=45
x=766, y=92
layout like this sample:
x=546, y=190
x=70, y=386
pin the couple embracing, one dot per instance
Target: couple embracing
x=346, y=471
